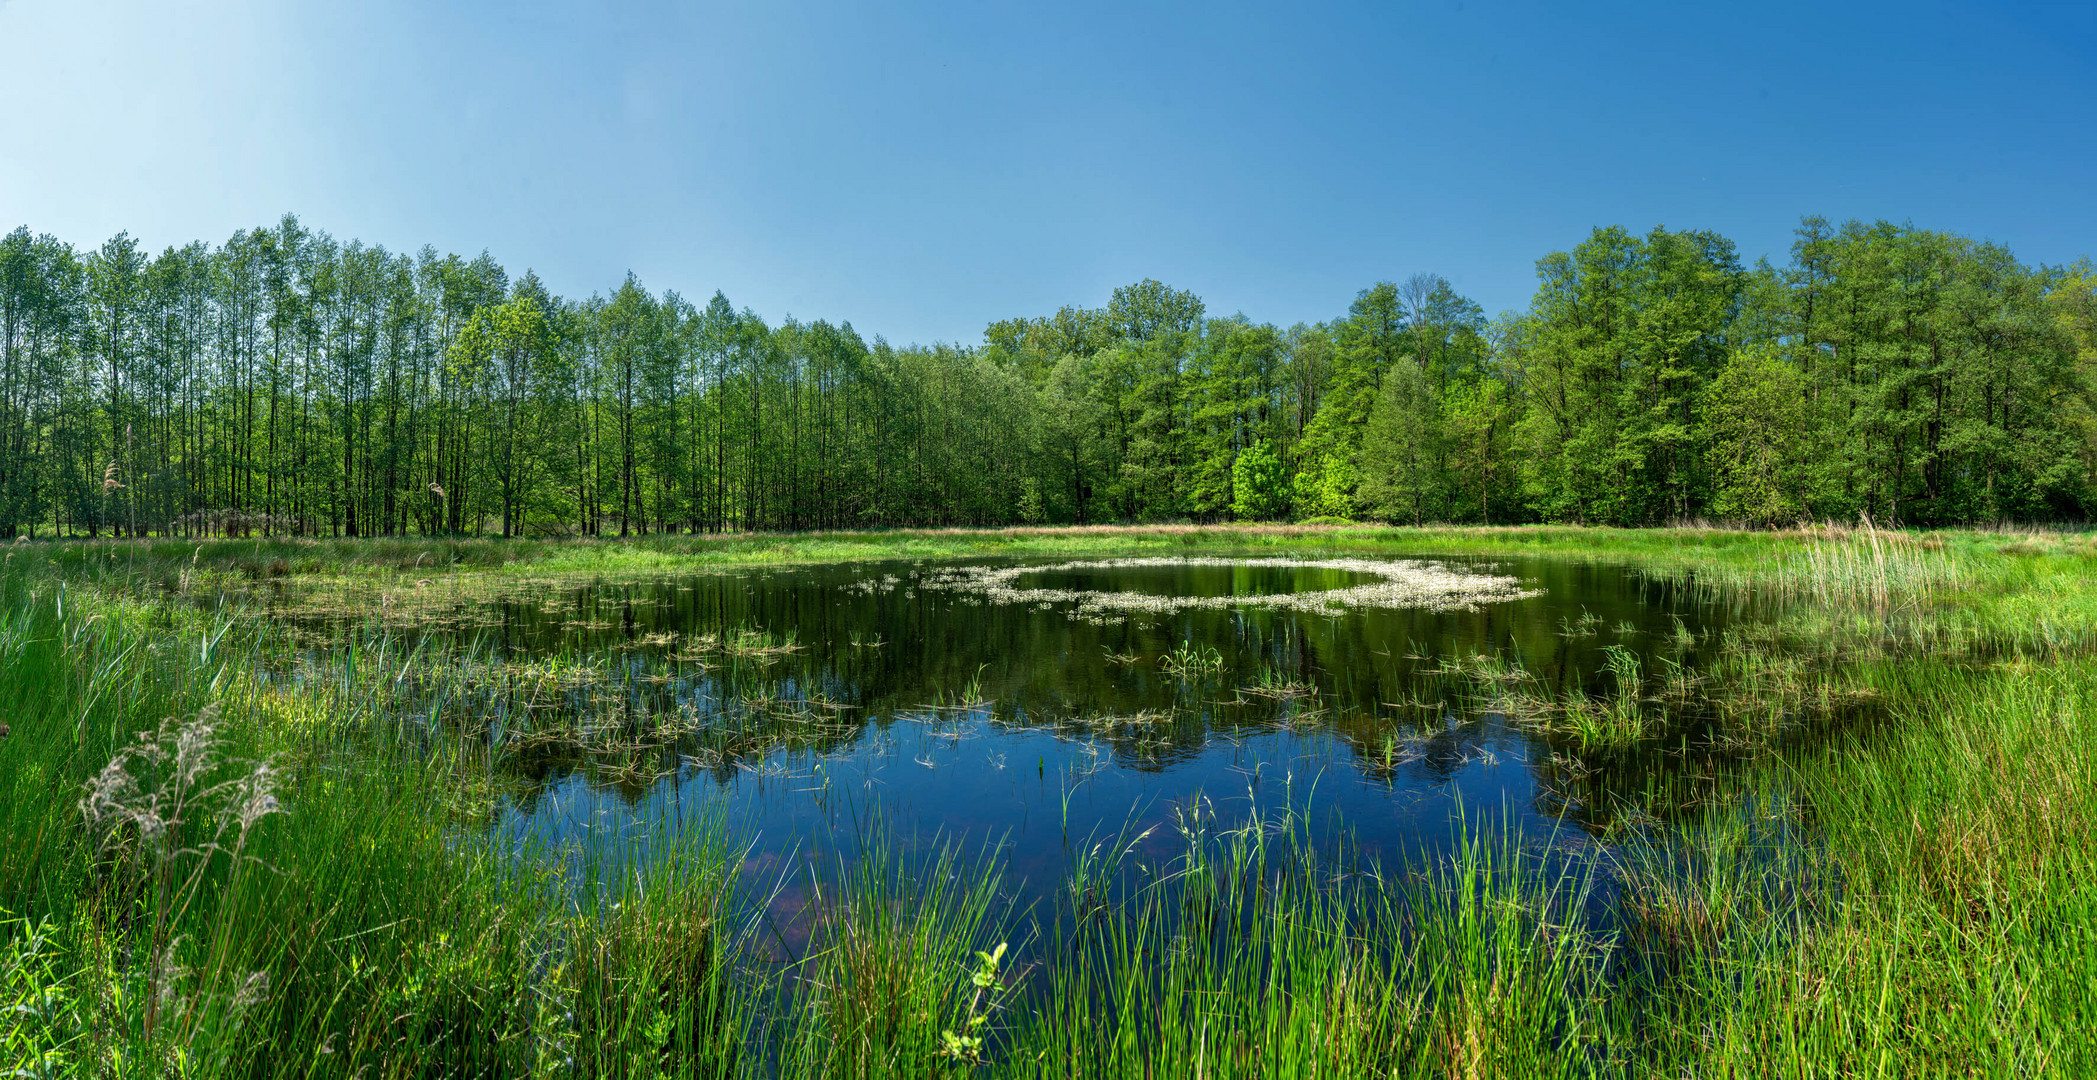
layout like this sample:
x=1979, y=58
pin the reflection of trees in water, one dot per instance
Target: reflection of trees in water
x=718, y=673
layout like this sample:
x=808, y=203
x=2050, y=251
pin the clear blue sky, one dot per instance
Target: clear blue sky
x=920, y=169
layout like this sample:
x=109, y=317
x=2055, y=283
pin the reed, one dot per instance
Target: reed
x=1912, y=897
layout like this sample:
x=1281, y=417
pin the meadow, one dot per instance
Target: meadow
x=235, y=845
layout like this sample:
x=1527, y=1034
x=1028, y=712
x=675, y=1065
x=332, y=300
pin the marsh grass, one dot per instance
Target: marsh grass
x=160, y=814
x=1254, y=952
x=1910, y=897
x=1875, y=570
x=1270, y=683
x=886, y=987
x=1189, y=661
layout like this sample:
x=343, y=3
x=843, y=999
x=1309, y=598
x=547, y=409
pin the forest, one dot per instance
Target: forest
x=286, y=383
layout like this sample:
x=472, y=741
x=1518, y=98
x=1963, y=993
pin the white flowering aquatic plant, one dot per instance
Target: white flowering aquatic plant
x=1400, y=583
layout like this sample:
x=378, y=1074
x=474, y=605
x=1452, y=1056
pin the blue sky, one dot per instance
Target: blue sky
x=921, y=169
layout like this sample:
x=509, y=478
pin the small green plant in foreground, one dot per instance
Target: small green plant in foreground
x=967, y=1047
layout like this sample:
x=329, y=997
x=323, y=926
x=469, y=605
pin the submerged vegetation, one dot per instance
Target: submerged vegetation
x=261, y=808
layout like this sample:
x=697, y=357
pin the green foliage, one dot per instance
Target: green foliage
x=967, y=1046
x=1623, y=335
x=41, y=1021
x=284, y=383
x=1259, y=486
x=1768, y=441
x=1325, y=486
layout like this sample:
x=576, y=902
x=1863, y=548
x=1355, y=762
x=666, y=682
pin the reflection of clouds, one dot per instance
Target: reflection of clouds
x=790, y=917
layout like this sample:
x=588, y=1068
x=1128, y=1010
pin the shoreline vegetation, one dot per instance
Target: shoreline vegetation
x=207, y=871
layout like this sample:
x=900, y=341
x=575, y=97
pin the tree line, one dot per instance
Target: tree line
x=286, y=383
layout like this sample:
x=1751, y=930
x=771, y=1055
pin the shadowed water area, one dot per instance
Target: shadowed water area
x=925, y=703
x=1195, y=579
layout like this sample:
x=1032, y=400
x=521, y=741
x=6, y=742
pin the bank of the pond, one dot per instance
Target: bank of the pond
x=1674, y=548
x=333, y=913
x=2028, y=574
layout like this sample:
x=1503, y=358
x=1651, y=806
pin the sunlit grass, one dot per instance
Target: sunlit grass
x=1912, y=897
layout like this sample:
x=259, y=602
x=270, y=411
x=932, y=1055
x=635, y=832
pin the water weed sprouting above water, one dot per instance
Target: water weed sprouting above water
x=1269, y=683
x=1190, y=661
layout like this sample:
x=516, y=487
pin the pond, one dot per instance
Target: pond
x=1047, y=706
x=1180, y=577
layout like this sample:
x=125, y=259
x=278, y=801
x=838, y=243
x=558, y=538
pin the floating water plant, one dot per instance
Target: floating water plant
x=1269, y=683
x=1402, y=583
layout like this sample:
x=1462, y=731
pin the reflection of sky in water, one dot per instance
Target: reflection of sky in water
x=1041, y=797
x=868, y=638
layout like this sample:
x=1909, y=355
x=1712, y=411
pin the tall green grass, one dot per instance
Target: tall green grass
x=1919, y=899
x=362, y=929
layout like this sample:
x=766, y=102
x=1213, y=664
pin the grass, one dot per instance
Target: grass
x=1916, y=896
x=1729, y=552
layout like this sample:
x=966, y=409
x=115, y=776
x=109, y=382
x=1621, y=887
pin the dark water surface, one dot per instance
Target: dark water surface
x=1196, y=579
x=931, y=716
